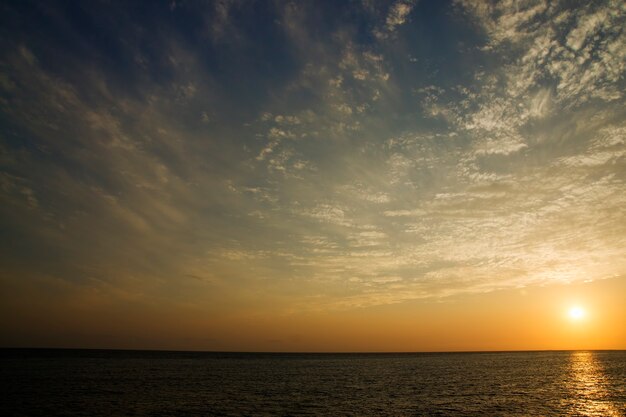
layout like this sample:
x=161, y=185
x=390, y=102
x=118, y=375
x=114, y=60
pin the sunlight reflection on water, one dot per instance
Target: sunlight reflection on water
x=588, y=385
x=106, y=383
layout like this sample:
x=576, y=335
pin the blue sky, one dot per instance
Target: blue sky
x=285, y=155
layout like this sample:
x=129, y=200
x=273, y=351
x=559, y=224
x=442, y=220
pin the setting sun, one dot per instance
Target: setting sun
x=576, y=313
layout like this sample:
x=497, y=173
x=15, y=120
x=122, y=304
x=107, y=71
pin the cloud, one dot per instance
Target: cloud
x=106, y=180
x=403, y=213
x=398, y=13
x=310, y=165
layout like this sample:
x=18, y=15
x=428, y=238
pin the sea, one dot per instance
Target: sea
x=55, y=382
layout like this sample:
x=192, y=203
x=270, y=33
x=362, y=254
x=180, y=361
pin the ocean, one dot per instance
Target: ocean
x=49, y=382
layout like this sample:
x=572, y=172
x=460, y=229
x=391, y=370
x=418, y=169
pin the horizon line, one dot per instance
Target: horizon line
x=250, y=352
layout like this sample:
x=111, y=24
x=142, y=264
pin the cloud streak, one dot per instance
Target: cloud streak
x=318, y=162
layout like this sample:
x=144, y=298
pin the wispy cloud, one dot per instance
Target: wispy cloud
x=327, y=158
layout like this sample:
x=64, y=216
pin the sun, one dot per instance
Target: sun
x=576, y=313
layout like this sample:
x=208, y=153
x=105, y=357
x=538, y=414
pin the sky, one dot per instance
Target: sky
x=353, y=175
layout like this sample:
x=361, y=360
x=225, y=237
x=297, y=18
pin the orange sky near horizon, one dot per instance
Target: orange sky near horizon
x=515, y=319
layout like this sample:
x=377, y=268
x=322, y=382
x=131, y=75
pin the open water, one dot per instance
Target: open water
x=144, y=383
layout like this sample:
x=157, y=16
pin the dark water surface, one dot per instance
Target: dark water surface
x=109, y=383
